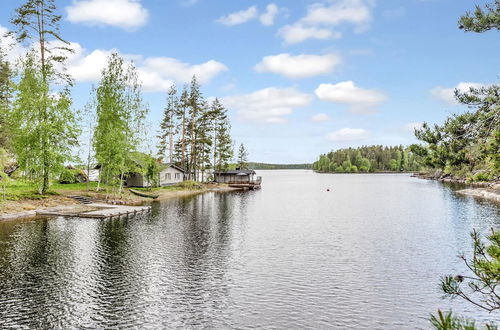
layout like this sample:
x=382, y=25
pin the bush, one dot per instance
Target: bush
x=189, y=184
x=72, y=175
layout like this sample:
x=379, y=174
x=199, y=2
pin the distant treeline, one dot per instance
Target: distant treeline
x=264, y=166
x=368, y=159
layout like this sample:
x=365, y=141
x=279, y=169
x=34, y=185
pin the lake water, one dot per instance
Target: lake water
x=368, y=254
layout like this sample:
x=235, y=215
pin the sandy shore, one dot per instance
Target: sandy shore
x=30, y=208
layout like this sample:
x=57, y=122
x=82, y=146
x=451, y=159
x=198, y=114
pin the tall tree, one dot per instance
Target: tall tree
x=242, y=157
x=482, y=20
x=120, y=119
x=44, y=128
x=6, y=85
x=36, y=21
x=168, y=126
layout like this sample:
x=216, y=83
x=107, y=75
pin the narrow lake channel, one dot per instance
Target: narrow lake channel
x=368, y=254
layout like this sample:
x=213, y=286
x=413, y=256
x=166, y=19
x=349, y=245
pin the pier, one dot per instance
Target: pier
x=96, y=210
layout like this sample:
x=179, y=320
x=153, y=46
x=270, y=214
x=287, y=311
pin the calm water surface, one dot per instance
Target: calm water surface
x=366, y=255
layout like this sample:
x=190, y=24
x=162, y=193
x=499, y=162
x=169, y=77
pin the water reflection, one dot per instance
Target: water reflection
x=367, y=254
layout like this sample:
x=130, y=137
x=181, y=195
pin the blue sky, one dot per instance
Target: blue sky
x=299, y=77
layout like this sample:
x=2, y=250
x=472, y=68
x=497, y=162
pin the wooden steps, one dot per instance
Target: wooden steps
x=81, y=199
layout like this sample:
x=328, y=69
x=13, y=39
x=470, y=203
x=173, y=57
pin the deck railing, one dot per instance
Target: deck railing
x=256, y=181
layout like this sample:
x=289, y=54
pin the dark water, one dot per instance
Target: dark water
x=366, y=255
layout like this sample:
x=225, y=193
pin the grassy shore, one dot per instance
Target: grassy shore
x=22, y=196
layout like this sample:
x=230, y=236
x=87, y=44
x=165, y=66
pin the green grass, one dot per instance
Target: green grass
x=74, y=186
x=24, y=190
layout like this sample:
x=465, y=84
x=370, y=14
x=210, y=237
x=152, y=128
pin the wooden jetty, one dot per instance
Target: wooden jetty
x=97, y=210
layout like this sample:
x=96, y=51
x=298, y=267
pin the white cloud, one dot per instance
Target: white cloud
x=411, y=127
x=239, y=17
x=348, y=135
x=9, y=45
x=183, y=72
x=156, y=73
x=355, y=12
x=322, y=17
x=300, y=66
x=360, y=100
x=447, y=95
x=319, y=117
x=269, y=105
x=298, y=32
x=126, y=14
x=268, y=17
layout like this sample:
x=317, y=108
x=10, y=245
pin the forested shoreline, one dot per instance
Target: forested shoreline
x=368, y=159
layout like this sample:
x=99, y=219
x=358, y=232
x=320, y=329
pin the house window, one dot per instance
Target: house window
x=177, y=176
x=167, y=176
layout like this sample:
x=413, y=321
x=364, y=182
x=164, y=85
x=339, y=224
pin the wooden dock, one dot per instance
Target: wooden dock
x=97, y=210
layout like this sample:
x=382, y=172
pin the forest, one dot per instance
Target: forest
x=266, y=166
x=40, y=129
x=368, y=159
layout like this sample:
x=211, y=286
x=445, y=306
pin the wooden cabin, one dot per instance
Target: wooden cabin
x=239, y=178
x=169, y=175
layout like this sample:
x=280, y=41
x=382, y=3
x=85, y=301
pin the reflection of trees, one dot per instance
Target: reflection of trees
x=32, y=279
x=206, y=255
x=173, y=265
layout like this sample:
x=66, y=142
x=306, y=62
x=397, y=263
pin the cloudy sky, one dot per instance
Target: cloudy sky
x=300, y=77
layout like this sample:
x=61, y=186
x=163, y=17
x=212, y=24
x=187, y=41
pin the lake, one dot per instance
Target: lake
x=367, y=254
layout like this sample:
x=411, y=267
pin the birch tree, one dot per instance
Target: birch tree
x=36, y=23
x=120, y=120
x=44, y=128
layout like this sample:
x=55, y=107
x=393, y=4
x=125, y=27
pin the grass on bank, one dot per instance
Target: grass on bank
x=23, y=190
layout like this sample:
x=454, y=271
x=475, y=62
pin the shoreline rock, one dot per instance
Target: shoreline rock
x=485, y=190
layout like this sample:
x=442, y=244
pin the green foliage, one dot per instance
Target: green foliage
x=194, y=134
x=242, y=157
x=6, y=89
x=482, y=20
x=266, y=166
x=479, y=287
x=37, y=21
x=69, y=175
x=368, y=159
x=44, y=128
x=120, y=120
x=189, y=184
x=470, y=139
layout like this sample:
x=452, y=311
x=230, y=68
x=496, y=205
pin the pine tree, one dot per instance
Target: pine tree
x=36, y=21
x=242, y=157
x=482, y=19
x=6, y=85
x=168, y=126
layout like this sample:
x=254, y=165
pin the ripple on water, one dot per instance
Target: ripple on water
x=367, y=255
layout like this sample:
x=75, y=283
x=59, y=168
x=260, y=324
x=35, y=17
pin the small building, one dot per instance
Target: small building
x=169, y=175
x=239, y=178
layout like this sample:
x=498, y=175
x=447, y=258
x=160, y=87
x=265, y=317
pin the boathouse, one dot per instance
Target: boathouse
x=238, y=178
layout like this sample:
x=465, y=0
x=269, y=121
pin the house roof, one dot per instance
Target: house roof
x=174, y=166
x=236, y=172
